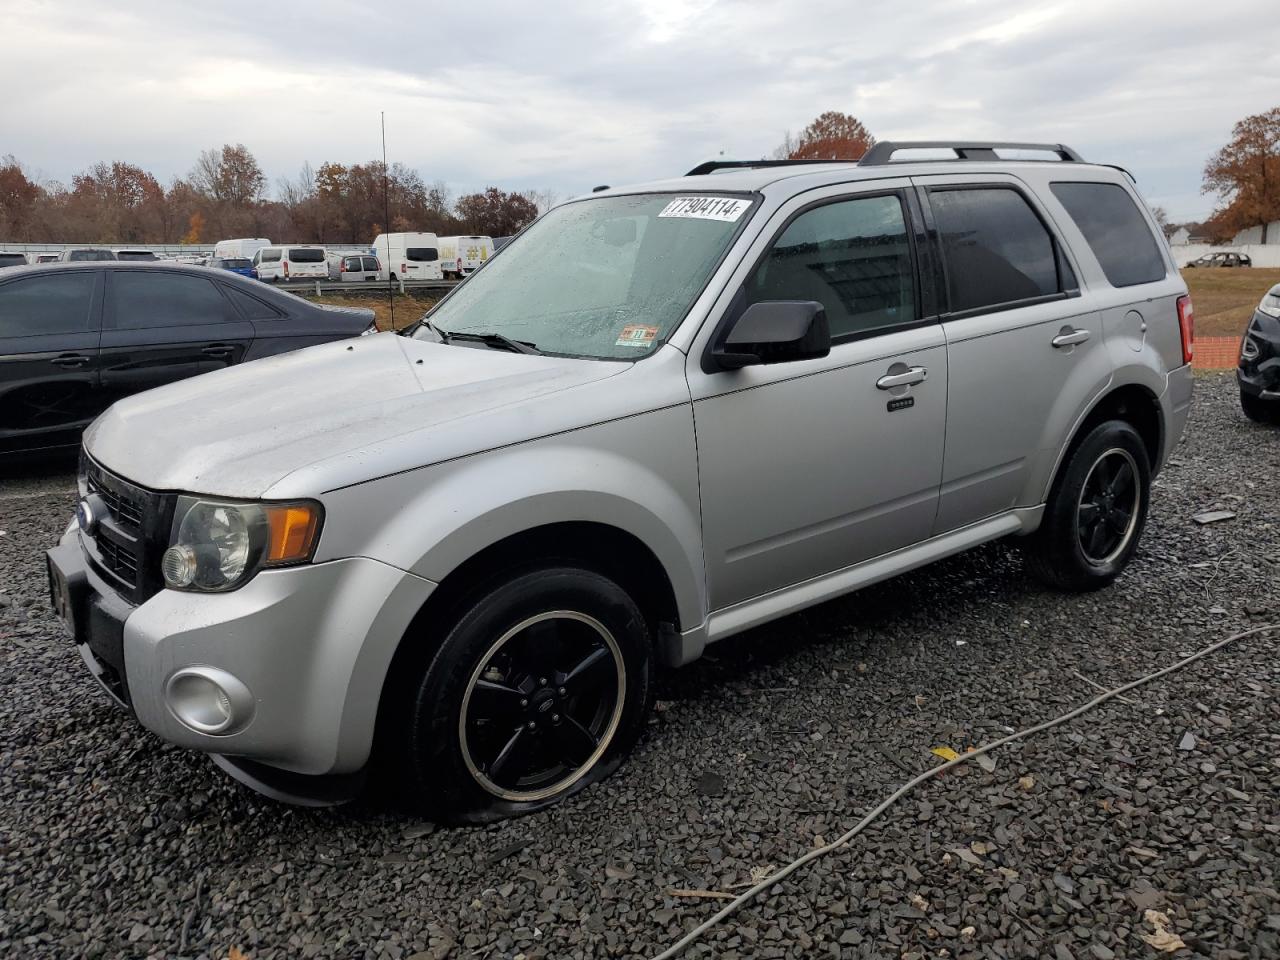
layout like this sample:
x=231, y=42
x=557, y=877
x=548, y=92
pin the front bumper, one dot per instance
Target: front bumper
x=1259, y=369
x=312, y=644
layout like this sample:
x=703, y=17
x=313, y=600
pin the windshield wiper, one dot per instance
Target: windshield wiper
x=498, y=341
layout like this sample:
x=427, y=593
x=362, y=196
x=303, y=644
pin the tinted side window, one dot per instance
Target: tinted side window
x=252, y=307
x=996, y=249
x=853, y=257
x=156, y=300
x=269, y=255
x=1115, y=230
x=44, y=305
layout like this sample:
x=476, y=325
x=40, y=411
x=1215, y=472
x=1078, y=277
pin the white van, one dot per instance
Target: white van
x=291, y=263
x=461, y=255
x=244, y=247
x=411, y=256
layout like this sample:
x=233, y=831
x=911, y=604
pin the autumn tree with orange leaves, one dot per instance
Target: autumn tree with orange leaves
x=832, y=136
x=1245, y=174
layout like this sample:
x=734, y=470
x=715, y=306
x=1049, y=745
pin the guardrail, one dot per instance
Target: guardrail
x=319, y=287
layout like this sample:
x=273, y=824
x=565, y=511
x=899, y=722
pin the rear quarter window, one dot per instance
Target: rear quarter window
x=1115, y=230
x=250, y=306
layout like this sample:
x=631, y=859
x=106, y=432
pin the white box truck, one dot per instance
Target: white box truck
x=408, y=256
x=462, y=255
x=244, y=247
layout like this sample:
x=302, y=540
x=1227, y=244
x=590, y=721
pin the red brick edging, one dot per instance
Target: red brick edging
x=1216, y=353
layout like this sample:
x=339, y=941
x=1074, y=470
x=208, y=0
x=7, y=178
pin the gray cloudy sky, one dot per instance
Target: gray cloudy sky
x=567, y=95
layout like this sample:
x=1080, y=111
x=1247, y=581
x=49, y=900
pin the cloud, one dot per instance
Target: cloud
x=523, y=95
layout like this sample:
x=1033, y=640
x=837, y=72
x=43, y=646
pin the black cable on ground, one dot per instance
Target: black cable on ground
x=747, y=896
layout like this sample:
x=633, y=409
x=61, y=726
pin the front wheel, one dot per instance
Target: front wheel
x=1096, y=511
x=1259, y=410
x=541, y=687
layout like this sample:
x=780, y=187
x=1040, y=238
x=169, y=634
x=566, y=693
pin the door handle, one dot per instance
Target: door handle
x=217, y=350
x=70, y=361
x=905, y=379
x=1070, y=338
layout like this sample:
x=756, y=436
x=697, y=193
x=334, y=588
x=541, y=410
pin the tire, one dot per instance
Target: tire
x=1095, y=516
x=1259, y=410
x=540, y=688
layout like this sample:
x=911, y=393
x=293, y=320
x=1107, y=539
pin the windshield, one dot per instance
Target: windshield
x=606, y=278
x=235, y=263
x=79, y=255
x=136, y=255
x=421, y=254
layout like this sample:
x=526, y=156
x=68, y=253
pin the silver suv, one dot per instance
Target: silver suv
x=662, y=415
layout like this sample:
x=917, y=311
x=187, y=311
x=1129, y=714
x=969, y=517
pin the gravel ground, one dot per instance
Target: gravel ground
x=113, y=844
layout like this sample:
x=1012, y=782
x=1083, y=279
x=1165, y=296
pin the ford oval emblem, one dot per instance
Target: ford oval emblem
x=85, y=516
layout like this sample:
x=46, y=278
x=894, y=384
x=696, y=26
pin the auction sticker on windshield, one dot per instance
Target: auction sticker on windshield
x=637, y=335
x=728, y=209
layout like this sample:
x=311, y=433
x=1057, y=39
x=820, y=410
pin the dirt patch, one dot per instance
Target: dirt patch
x=408, y=307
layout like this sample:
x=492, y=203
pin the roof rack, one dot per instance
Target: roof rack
x=882, y=153
x=713, y=165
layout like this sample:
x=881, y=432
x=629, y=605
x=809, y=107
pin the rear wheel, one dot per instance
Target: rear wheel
x=1259, y=410
x=1096, y=511
x=540, y=688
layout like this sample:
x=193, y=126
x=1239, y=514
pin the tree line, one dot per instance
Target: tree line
x=226, y=194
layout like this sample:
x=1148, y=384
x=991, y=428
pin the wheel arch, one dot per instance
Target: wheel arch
x=1134, y=403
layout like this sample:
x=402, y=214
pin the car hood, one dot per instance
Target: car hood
x=326, y=415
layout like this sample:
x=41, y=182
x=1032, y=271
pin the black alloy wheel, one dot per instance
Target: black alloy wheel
x=542, y=705
x=1109, y=506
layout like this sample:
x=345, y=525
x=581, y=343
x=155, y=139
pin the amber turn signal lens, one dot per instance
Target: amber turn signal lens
x=292, y=530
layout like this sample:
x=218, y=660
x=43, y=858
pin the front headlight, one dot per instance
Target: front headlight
x=219, y=545
x=1270, y=304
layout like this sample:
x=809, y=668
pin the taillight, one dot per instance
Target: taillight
x=404, y=268
x=286, y=269
x=1187, y=327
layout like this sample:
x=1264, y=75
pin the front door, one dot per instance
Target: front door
x=163, y=326
x=811, y=466
x=49, y=331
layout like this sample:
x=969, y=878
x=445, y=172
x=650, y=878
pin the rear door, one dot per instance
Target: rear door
x=160, y=327
x=1026, y=353
x=49, y=356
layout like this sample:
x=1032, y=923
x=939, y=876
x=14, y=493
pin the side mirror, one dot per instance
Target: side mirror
x=775, y=331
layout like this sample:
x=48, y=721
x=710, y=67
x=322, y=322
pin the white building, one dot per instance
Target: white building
x=1254, y=235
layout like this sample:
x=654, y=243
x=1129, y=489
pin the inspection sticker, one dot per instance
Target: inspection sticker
x=636, y=335
x=728, y=209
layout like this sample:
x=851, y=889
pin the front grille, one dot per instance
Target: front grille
x=119, y=560
x=126, y=543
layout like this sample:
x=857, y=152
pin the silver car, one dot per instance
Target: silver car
x=662, y=415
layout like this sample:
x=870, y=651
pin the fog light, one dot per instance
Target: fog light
x=178, y=565
x=209, y=700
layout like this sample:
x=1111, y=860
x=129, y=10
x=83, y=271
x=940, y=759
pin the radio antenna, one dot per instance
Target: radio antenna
x=386, y=215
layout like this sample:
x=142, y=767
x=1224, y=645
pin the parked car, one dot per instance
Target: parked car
x=666, y=414
x=47, y=258
x=136, y=255
x=12, y=259
x=74, y=338
x=274, y=264
x=1220, y=259
x=85, y=255
x=1259, y=368
x=353, y=267
x=408, y=256
x=240, y=265
x=244, y=247
x=460, y=256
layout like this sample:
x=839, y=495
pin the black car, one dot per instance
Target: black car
x=76, y=337
x=1221, y=260
x=1259, y=369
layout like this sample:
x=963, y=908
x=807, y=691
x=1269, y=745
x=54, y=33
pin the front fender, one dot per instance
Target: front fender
x=638, y=475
